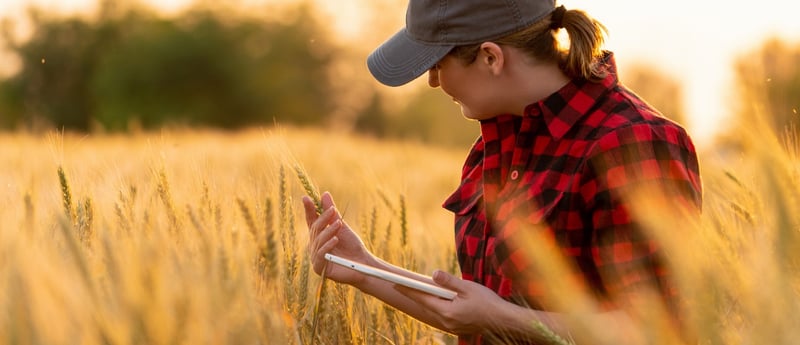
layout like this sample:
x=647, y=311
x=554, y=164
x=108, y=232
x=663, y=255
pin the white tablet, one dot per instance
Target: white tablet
x=392, y=277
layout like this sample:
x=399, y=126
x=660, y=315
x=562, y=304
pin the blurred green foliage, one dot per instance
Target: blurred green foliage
x=427, y=116
x=129, y=66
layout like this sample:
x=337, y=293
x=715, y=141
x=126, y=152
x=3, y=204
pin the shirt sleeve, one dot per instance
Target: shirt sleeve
x=658, y=161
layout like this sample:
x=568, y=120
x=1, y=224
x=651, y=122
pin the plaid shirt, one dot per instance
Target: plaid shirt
x=563, y=166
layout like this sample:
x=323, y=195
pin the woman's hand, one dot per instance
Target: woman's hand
x=471, y=312
x=328, y=233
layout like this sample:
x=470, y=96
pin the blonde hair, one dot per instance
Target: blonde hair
x=582, y=59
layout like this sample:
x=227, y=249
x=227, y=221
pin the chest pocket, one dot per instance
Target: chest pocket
x=536, y=197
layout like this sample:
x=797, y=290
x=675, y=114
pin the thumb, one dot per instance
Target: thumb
x=446, y=280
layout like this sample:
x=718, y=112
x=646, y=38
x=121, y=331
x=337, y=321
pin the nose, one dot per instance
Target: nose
x=433, y=77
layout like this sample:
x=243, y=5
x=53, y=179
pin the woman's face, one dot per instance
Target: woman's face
x=467, y=85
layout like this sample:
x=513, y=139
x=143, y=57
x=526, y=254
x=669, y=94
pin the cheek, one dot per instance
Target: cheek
x=454, y=86
x=443, y=82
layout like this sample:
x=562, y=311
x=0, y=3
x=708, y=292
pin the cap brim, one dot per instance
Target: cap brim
x=400, y=59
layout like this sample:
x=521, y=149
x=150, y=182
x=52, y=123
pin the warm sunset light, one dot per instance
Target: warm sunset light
x=171, y=166
x=693, y=41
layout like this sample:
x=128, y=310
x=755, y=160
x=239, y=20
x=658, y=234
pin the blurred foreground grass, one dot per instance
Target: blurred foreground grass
x=189, y=237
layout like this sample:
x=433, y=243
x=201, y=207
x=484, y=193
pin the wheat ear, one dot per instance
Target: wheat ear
x=66, y=194
x=309, y=188
x=313, y=193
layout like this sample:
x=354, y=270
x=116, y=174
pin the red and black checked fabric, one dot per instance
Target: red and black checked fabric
x=563, y=167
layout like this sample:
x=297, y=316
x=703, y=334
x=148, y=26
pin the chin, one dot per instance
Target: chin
x=473, y=116
x=467, y=113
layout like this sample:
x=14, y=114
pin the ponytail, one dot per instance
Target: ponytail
x=581, y=60
x=586, y=37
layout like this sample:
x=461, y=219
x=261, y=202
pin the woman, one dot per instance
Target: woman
x=562, y=144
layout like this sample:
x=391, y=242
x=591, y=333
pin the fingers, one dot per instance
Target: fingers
x=322, y=221
x=446, y=280
x=323, y=244
x=310, y=210
x=318, y=259
x=432, y=303
x=321, y=232
x=322, y=229
x=327, y=200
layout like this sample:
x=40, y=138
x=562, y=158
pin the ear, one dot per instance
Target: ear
x=491, y=55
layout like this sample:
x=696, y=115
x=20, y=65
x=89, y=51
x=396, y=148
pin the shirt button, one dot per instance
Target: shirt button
x=514, y=175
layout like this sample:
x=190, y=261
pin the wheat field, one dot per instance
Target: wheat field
x=197, y=237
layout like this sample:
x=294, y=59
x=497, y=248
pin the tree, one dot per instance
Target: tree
x=57, y=64
x=431, y=117
x=206, y=66
x=372, y=119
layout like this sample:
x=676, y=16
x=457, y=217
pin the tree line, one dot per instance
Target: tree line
x=128, y=67
x=132, y=67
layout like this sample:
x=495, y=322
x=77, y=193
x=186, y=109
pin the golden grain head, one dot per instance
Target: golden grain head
x=106, y=257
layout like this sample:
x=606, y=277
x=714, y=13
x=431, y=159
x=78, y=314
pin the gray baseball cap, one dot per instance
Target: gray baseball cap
x=434, y=27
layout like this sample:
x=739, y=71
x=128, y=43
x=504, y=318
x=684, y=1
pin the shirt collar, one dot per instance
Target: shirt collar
x=562, y=110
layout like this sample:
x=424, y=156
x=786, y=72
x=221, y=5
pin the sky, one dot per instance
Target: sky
x=694, y=41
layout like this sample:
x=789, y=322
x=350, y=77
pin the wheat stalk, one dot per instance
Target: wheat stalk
x=269, y=247
x=248, y=218
x=66, y=194
x=29, y=212
x=373, y=225
x=77, y=255
x=403, y=223
x=320, y=297
x=122, y=222
x=313, y=193
x=206, y=207
x=302, y=285
x=288, y=240
x=85, y=220
x=198, y=225
x=549, y=336
x=309, y=188
x=166, y=198
x=217, y=217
